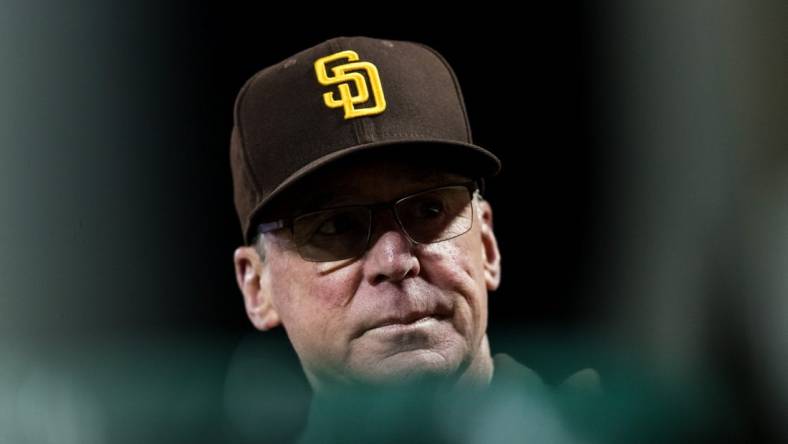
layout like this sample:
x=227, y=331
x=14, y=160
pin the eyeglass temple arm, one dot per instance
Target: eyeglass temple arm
x=270, y=226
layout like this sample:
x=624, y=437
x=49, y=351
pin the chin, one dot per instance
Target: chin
x=412, y=366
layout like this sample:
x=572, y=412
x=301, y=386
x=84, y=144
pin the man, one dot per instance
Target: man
x=358, y=188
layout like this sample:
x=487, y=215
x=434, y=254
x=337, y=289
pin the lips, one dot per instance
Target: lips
x=409, y=318
x=402, y=307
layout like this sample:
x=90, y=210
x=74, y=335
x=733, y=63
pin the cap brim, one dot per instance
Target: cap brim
x=457, y=157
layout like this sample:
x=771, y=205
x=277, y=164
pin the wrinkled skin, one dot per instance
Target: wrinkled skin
x=332, y=311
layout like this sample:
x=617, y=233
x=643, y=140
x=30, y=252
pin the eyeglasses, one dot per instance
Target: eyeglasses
x=430, y=216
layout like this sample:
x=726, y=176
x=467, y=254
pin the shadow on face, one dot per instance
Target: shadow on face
x=360, y=173
x=397, y=311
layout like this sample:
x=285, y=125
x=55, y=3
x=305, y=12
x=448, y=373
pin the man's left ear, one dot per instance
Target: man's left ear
x=491, y=254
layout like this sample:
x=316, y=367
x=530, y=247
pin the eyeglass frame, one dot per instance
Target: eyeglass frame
x=472, y=186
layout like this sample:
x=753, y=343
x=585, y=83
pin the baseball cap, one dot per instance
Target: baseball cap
x=341, y=98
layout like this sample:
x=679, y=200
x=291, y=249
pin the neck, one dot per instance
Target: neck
x=480, y=371
x=339, y=404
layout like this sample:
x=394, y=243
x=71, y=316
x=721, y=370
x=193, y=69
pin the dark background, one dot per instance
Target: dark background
x=640, y=211
x=528, y=87
x=528, y=101
x=528, y=83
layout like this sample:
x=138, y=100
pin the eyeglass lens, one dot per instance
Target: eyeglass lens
x=342, y=233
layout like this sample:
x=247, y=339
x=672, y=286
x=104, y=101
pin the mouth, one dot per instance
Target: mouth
x=418, y=309
x=409, y=319
x=402, y=324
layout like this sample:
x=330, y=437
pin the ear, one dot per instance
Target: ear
x=251, y=275
x=491, y=254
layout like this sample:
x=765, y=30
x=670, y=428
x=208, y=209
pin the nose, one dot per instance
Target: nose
x=390, y=256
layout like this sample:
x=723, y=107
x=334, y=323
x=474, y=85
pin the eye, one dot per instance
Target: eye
x=337, y=224
x=429, y=208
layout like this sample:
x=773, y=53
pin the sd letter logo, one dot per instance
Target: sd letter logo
x=342, y=75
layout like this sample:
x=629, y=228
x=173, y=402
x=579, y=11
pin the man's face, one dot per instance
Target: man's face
x=399, y=310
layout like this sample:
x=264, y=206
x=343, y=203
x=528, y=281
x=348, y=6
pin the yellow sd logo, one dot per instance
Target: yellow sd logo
x=342, y=75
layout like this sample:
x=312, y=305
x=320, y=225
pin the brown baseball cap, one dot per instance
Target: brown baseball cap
x=341, y=98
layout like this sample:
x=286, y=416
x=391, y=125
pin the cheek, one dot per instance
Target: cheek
x=457, y=266
x=315, y=294
x=307, y=289
x=312, y=306
x=456, y=263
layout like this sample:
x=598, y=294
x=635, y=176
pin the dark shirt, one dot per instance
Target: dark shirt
x=515, y=405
